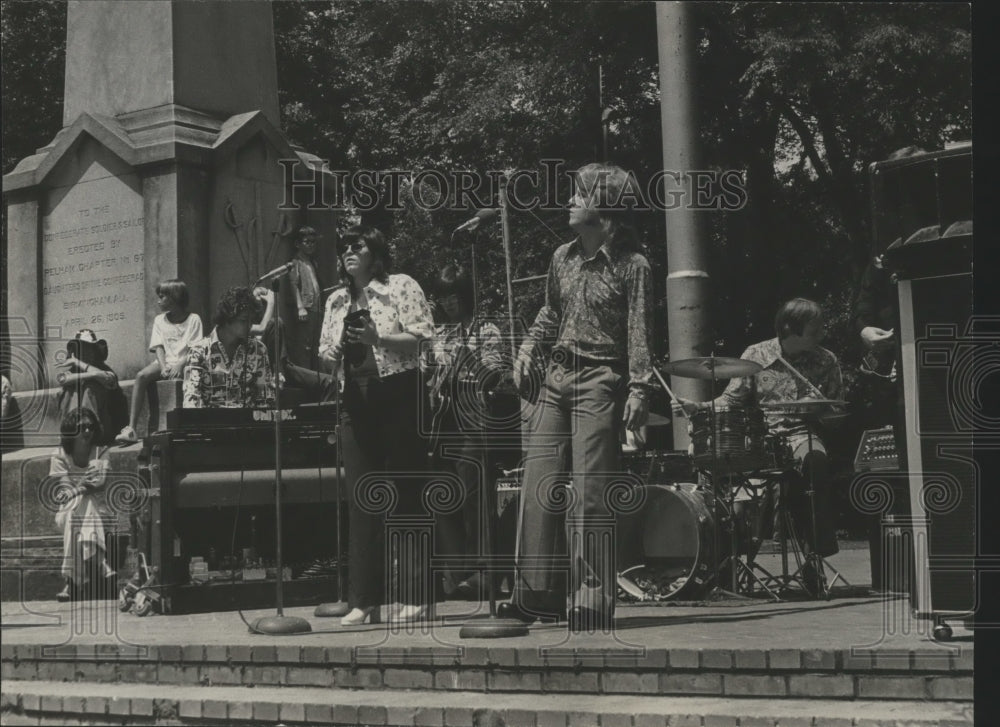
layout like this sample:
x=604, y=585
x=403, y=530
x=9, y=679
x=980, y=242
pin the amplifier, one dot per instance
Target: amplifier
x=877, y=451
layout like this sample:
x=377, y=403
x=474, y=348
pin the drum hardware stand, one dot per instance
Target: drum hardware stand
x=732, y=368
x=749, y=568
x=743, y=573
x=811, y=558
x=718, y=501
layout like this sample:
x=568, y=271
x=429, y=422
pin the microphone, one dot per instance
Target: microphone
x=480, y=216
x=276, y=273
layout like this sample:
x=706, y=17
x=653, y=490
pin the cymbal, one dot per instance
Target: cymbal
x=657, y=420
x=712, y=367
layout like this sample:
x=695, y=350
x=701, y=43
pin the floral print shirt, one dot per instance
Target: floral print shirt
x=600, y=308
x=396, y=306
x=776, y=382
x=213, y=380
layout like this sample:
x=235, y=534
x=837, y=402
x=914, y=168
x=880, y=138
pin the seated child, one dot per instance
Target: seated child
x=81, y=468
x=174, y=330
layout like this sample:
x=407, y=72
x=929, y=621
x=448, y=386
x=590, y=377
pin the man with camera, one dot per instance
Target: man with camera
x=370, y=338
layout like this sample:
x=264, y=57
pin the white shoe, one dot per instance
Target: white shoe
x=358, y=616
x=127, y=435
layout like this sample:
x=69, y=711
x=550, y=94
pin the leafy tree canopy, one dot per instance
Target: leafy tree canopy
x=797, y=98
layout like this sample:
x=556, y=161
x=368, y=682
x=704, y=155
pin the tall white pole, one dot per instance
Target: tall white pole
x=689, y=327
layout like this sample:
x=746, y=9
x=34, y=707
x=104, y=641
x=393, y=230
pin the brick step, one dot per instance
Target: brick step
x=35, y=559
x=818, y=674
x=32, y=544
x=51, y=702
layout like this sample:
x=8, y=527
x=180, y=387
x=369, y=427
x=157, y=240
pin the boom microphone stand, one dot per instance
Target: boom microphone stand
x=489, y=626
x=280, y=623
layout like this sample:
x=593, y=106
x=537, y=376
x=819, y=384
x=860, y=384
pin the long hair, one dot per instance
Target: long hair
x=454, y=280
x=73, y=423
x=610, y=191
x=377, y=246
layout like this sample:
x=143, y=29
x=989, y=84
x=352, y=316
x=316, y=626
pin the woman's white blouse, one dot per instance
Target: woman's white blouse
x=398, y=306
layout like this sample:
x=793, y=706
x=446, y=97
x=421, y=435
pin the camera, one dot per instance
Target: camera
x=354, y=353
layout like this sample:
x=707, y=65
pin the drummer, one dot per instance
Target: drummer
x=794, y=368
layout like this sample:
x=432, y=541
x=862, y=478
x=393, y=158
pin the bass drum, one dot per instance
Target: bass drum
x=677, y=543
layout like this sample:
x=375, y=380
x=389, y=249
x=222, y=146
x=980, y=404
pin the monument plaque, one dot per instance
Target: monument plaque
x=92, y=263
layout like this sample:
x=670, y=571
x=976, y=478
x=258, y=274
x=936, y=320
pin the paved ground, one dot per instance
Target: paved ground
x=848, y=620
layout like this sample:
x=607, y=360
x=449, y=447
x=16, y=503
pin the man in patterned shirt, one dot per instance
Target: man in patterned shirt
x=598, y=314
x=795, y=367
x=228, y=368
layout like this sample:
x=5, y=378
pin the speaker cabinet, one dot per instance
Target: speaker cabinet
x=922, y=224
x=930, y=191
x=939, y=358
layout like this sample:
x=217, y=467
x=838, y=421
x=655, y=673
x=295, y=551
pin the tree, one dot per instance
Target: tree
x=798, y=98
x=34, y=56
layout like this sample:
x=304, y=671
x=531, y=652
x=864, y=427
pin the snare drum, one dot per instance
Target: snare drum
x=738, y=439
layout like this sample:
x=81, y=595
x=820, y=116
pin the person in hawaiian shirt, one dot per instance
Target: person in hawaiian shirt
x=795, y=367
x=229, y=368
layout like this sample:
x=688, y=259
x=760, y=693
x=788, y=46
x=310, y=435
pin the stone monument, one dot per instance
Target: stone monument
x=167, y=166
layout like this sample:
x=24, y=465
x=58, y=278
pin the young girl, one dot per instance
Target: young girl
x=174, y=330
x=81, y=469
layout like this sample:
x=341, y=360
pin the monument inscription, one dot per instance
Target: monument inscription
x=92, y=264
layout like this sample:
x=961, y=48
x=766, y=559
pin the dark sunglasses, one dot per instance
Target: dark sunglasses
x=356, y=246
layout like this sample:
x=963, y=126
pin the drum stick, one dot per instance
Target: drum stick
x=802, y=378
x=671, y=393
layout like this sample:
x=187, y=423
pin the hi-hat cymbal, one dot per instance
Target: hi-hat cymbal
x=712, y=367
x=806, y=407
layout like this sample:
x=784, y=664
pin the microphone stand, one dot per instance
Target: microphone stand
x=280, y=623
x=491, y=626
x=340, y=607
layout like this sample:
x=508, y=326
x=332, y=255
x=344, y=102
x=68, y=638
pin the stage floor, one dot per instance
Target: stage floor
x=852, y=619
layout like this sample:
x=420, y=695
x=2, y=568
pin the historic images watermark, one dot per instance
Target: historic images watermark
x=545, y=188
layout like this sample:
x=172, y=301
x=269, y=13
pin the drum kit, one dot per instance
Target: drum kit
x=741, y=463
x=673, y=547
